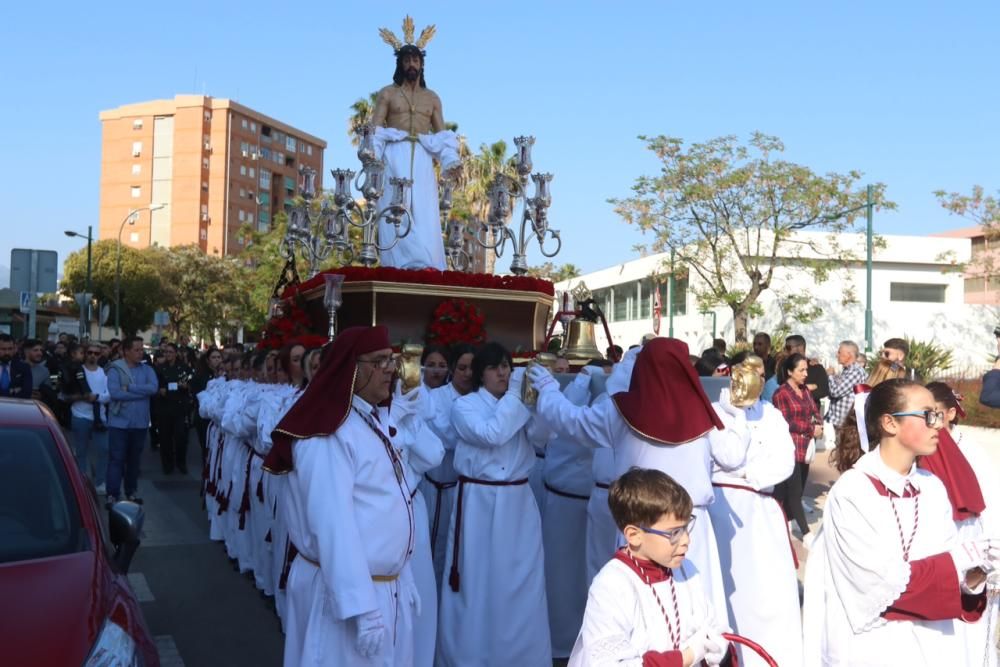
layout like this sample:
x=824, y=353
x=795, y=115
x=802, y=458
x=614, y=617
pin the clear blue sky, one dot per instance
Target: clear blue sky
x=905, y=92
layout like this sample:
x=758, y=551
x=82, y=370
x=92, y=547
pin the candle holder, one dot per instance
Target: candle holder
x=332, y=300
x=408, y=366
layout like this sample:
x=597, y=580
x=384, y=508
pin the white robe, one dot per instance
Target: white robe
x=623, y=619
x=498, y=618
x=273, y=408
x=422, y=450
x=346, y=510
x=234, y=455
x=440, y=501
x=981, y=638
x=690, y=464
x=568, y=472
x=423, y=246
x=210, y=402
x=856, y=570
x=758, y=570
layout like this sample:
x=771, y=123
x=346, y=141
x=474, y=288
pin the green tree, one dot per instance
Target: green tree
x=202, y=293
x=984, y=211
x=141, y=288
x=553, y=273
x=729, y=211
x=361, y=115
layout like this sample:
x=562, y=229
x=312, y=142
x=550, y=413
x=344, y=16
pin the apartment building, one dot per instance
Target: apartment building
x=215, y=164
x=982, y=271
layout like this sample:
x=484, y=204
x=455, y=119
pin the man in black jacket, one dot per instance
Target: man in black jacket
x=172, y=409
x=990, y=395
x=15, y=375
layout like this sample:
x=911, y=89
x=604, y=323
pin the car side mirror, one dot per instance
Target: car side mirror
x=125, y=525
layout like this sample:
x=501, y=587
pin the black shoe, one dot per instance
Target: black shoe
x=134, y=499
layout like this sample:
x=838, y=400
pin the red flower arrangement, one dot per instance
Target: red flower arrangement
x=456, y=321
x=293, y=325
x=428, y=277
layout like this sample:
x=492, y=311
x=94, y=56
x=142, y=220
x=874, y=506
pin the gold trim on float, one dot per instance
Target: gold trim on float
x=649, y=437
x=384, y=287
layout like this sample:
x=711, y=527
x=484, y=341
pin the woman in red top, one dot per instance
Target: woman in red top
x=796, y=404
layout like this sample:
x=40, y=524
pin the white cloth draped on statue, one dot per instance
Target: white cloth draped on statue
x=413, y=158
x=758, y=571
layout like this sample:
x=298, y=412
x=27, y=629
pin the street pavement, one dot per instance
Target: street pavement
x=199, y=610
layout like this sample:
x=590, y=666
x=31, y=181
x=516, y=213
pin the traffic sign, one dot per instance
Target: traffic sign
x=26, y=302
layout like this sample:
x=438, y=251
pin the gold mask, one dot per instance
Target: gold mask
x=747, y=382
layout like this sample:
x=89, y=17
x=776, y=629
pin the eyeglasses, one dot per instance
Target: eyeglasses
x=674, y=534
x=931, y=417
x=382, y=363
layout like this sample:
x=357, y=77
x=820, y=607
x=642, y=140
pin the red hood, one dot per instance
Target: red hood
x=53, y=609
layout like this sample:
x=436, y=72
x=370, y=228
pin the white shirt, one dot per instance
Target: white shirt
x=97, y=380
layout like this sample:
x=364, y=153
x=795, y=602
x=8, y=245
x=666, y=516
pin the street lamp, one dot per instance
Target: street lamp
x=869, y=207
x=90, y=242
x=130, y=219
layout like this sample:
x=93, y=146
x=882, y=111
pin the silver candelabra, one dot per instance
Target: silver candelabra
x=319, y=230
x=504, y=195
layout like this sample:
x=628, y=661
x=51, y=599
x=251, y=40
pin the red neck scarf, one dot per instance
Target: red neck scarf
x=951, y=467
x=665, y=401
x=647, y=570
x=327, y=400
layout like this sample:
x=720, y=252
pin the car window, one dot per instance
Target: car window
x=39, y=514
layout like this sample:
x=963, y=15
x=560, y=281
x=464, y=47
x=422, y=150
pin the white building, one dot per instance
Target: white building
x=916, y=292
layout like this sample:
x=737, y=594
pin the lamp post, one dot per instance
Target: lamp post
x=130, y=218
x=869, y=208
x=90, y=242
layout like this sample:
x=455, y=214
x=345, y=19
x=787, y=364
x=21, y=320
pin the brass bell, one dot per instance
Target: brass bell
x=581, y=342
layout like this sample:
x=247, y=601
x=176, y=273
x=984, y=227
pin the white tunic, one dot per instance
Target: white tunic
x=568, y=480
x=439, y=485
x=498, y=617
x=423, y=247
x=690, y=464
x=624, y=620
x=856, y=570
x=981, y=637
x=347, y=510
x=758, y=570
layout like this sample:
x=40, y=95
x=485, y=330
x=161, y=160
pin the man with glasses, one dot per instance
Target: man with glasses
x=85, y=387
x=131, y=383
x=990, y=395
x=349, y=510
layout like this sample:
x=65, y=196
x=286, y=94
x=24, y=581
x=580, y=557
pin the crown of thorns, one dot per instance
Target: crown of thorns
x=426, y=35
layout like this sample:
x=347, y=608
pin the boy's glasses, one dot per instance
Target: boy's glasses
x=674, y=534
x=382, y=363
x=931, y=417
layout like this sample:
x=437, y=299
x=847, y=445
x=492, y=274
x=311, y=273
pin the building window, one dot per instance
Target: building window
x=253, y=127
x=204, y=163
x=265, y=178
x=137, y=124
x=204, y=209
x=136, y=148
x=289, y=185
x=136, y=191
x=136, y=169
x=290, y=144
x=243, y=170
x=680, y=296
x=208, y=115
x=309, y=149
x=242, y=216
x=251, y=172
x=204, y=234
x=264, y=218
x=264, y=199
x=265, y=153
x=917, y=292
x=244, y=148
x=244, y=123
x=204, y=185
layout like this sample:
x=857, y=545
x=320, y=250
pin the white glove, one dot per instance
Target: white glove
x=542, y=380
x=404, y=405
x=371, y=633
x=725, y=402
x=716, y=647
x=697, y=644
x=516, y=380
x=983, y=552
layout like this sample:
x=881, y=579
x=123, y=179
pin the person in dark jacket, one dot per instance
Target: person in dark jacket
x=15, y=375
x=172, y=408
x=990, y=395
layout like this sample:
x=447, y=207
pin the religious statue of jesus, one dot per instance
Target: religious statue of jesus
x=409, y=136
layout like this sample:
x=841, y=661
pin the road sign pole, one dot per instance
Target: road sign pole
x=33, y=295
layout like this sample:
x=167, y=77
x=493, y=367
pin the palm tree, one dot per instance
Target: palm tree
x=361, y=114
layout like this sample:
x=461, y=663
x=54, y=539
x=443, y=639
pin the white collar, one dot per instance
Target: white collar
x=362, y=405
x=872, y=464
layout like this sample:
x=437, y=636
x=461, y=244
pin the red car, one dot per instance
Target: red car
x=64, y=596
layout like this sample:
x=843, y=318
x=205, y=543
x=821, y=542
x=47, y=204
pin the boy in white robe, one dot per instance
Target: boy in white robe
x=642, y=610
x=886, y=583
